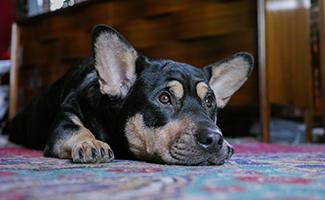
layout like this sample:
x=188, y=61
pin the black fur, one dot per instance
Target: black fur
x=77, y=92
x=47, y=119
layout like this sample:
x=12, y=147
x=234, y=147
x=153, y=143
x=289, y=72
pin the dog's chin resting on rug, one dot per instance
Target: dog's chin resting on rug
x=122, y=104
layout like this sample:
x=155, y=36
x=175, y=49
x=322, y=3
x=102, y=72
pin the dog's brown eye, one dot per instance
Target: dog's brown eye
x=164, y=98
x=208, y=101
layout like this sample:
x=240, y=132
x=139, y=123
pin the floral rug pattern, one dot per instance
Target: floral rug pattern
x=256, y=171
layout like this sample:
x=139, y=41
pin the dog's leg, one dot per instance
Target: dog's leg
x=70, y=139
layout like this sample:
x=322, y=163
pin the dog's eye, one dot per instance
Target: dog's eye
x=208, y=101
x=164, y=98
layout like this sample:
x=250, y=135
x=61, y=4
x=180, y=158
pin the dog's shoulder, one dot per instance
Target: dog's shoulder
x=78, y=82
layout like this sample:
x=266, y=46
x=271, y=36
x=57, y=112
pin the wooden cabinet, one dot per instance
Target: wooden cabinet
x=196, y=32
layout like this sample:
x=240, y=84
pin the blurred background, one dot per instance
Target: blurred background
x=282, y=102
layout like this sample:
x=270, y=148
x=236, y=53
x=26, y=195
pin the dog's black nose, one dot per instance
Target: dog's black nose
x=211, y=139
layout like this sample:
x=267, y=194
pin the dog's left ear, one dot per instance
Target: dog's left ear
x=228, y=75
x=114, y=61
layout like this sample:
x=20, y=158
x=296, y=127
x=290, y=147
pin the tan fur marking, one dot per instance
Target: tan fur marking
x=202, y=89
x=69, y=146
x=64, y=147
x=146, y=142
x=176, y=88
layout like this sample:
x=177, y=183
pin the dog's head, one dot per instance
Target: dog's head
x=170, y=108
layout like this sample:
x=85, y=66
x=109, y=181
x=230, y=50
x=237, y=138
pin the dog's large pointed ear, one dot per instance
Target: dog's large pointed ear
x=114, y=61
x=228, y=75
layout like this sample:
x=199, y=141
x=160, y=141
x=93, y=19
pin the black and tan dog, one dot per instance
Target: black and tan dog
x=139, y=108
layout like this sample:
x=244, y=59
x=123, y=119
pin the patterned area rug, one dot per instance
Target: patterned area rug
x=256, y=171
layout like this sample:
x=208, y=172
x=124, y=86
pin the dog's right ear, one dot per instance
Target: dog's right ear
x=114, y=61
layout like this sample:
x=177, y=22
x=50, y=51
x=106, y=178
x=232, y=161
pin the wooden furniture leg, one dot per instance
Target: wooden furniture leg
x=13, y=91
x=321, y=5
x=263, y=94
x=309, y=125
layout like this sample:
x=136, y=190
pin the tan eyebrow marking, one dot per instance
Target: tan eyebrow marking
x=176, y=88
x=202, y=89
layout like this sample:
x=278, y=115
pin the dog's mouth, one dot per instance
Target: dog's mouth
x=187, y=153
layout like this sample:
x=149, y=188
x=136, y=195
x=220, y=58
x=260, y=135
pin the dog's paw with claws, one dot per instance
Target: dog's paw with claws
x=92, y=151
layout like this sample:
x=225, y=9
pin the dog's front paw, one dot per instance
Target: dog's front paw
x=92, y=151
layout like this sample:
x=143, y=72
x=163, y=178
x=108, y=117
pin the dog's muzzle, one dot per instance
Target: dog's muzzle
x=212, y=141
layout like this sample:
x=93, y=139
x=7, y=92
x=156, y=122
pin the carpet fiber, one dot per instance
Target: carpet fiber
x=256, y=171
